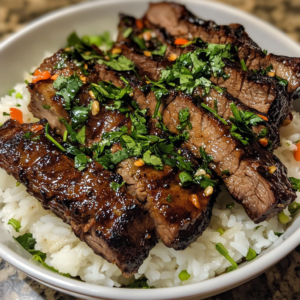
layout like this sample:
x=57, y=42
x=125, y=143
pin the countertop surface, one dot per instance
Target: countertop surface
x=280, y=282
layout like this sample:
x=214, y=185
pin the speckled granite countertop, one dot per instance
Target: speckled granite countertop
x=282, y=281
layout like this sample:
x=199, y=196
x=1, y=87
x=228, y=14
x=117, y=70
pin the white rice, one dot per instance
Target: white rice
x=68, y=254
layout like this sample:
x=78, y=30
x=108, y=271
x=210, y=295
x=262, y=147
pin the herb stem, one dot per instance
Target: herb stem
x=214, y=113
x=244, y=67
x=235, y=112
x=65, y=136
x=59, y=146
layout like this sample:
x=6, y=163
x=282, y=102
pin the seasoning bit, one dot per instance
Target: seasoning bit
x=131, y=94
x=106, y=57
x=272, y=74
x=87, y=52
x=264, y=142
x=147, y=36
x=116, y=51
x=83, y=79
x=139, y=163
x=54, y=77
x=172, y=57
x=147, y=53
x=286, y=122
x=85, y=66
x=194, y=200
x=271, y=169
x=92, y=94
x=200, y=172
x=67, y=49
x=95, y=108
x=147, y=236
x=207, y=175
x=208, y=191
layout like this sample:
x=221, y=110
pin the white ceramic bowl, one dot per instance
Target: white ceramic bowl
x=26, y=49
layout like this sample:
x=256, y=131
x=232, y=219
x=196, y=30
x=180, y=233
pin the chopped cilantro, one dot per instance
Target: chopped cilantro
x=230, y=205
x=140, y=283
x=27, y=135
x=160, y=51
x=67, y=87
x=282, y=81
x=183, y=117
x=119, y=64
x=79, y=114
x=116, y=186
x=295, y=183
x=15, y=224
x=5, y=114
x=81, y=135
x=240, y=124
x=46, y=106
x=293, y=208
x=221, y=231
x=278, y=233
x=139, y=41
x=169, y=198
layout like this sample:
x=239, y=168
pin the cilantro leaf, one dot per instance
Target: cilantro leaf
x=119, y=64
x=295, y=183
x=81, y=135
x=79, y=114
x=160, y=51
x=183, y=117
x=67, y=87
x=116, y=186
x=152, y=160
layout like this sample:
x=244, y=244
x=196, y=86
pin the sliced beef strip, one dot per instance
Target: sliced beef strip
x=264, y=94
x=180, y=23
x=112, y=223
x=177, y=223
x=262, y=194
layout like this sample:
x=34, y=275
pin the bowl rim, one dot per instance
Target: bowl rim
x=206, y=288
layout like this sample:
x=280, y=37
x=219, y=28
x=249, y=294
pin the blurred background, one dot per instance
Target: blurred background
x=284, y=14
x=282, y=281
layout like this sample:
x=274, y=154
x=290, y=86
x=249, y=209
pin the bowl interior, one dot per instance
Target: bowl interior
x=27, y=48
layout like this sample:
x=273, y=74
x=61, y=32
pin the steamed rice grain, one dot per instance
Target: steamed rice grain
x=66, y=253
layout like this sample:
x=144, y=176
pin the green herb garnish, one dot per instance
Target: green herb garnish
x=116, y=186
x=15, y=224
x=251, y=254
x=214, y=112
x=230, y=205
x=184, y=275
x=223, y=251
x=295, y=183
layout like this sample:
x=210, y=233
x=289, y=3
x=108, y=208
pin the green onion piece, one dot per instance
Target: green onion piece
x=10, y=92
x=15, y=224
x=46, y=106
x=26, y=81
x=19, y=96
x=47, y=128
x=251, y=254
x=65, y=136
x=184, y=275
x=235, y=112
x=127, y=32
x=222, y=250
x=283, y=218
x=214, y=113
x=6, y=114
x=59, y=146
x=18, y=105
x=244, y=68
x=230, y=205
x=18, y=183
x=221, y=231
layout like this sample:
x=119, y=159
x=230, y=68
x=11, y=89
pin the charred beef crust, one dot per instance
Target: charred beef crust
x=261, y=93
x=177, y=20
x=262, y=195
x=111, y=223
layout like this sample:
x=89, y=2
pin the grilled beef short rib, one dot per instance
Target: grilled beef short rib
x=177, y=22
x=112, y=223
x=177, y=221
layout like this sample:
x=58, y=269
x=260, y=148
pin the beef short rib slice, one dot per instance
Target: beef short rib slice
x=181, y=23
x=178, y=222
x=262, y=194
x=112, y=223
x=261, y=93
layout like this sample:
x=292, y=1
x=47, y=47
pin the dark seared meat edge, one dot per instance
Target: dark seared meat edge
x=111, y=223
